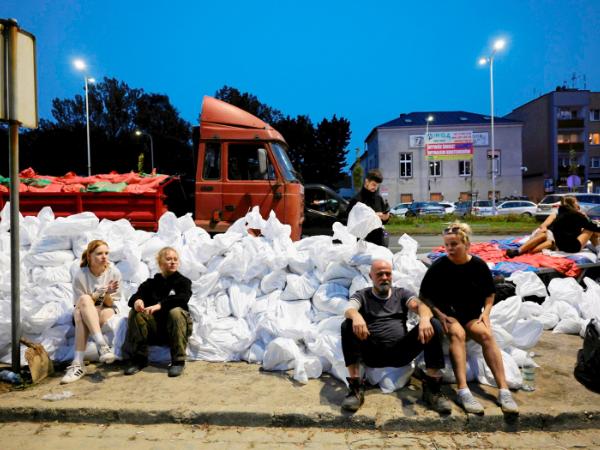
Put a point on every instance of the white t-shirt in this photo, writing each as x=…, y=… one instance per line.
x=85, y=282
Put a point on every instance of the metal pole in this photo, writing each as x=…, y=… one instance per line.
x=87, y=122
x=427, y=160
x=13, y=144
x=492, y=129
x=151, y=151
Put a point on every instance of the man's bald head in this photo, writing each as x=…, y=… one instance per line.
x=381, y=274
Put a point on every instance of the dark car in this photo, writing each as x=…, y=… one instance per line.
x=463, y=208
x=322, y=208
x=416, y=209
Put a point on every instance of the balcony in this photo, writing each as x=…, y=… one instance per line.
x=567, y=146
x=570, y=123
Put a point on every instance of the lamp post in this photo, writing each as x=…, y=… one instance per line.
x=143, y=133
x=498, y=45
x=428, y=119
x=80, y=65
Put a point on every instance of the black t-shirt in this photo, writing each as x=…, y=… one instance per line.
x=567, y=226
x=458, y=290
x=171, y=292
x=385, y=318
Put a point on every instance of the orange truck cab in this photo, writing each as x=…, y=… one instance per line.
x=242, y=163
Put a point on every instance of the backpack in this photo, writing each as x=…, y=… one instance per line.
x=587, y=369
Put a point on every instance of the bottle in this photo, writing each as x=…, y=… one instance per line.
x=10, y=377
x=528, y=372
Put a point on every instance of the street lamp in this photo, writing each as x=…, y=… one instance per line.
x=428, y=119
x=80, y=65
x=498, y=45
x=143, y=133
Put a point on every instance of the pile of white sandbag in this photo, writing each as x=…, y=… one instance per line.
x=264, y=299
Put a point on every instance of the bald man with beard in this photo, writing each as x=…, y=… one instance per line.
x=375, y=334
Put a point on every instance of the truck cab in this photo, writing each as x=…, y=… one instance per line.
x=242, y=163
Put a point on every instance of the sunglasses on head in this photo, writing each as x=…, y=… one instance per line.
x=451, y=230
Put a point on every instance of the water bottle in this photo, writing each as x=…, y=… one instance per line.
x=10, y=377
x=528, y=372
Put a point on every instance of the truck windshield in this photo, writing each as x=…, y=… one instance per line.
x=287, y=170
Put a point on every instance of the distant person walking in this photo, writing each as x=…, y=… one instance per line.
x=96, y=288
x=369, y=195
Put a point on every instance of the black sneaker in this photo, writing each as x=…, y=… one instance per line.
x=433, y=396
x=176, y=369
x=356, y=395
x=511, y=253
x=134, y=367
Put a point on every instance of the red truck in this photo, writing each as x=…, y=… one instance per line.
x=242, y=162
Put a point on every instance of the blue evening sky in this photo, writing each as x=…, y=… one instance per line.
x=366, y=61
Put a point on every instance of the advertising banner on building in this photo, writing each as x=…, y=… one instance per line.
x=449, y=145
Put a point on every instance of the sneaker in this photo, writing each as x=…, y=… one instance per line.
x=433, y=396
x=176, y=369
x=470, y=403
x=106, y=354
x=134, y=367
x=74, y=373
x=507, y=403
x=356, y=395
x=511, y=253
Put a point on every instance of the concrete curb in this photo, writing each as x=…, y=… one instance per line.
x=454, y=423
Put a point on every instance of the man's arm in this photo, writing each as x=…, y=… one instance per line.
x=359, y=326
x=425, y=314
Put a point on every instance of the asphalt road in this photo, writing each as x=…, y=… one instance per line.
x=428, y=242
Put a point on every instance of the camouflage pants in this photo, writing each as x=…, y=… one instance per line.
x=173, y=329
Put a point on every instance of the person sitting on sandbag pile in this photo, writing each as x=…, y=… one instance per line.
x=159, y=315
x=375, y=332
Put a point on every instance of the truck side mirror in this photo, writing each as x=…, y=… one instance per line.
x=262, y=162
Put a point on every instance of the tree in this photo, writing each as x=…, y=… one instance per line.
x=325, y=163
x=249, y=103
x=357, y=172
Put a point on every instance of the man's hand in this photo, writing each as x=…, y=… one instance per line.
x=152, y=309
x=359, y=327
x=484, y=318
x=138, y=305
x=425, y=330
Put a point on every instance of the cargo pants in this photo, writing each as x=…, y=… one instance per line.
x=172, y=328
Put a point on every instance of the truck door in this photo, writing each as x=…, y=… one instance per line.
x=247, y=185
x=208, y=195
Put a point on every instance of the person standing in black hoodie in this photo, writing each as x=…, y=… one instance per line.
x=159, y=315
x=369, y=195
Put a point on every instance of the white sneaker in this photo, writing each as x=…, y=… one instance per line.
x=74, y=373
x=470, y=403
x=507, y=403
x=106, y=354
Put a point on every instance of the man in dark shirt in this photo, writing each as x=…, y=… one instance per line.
x=375, y=332
x=369, y=195
x=159, y=315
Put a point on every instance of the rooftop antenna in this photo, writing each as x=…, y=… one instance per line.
x=584, y=82
x=573, y=80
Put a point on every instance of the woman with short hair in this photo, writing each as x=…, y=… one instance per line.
x=459, y=289
x=96, y=289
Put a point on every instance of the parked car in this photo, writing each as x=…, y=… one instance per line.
x=448, y=207
x=322, y=208
x=521, y=207
x=417, y=209
x=550, y=203
x=594, y=213
x=400, y=209
x=482, y=208
x=463, y=208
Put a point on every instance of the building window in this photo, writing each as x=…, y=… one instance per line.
x=435, y=168
x=496, y=164
x=595, y=162
x=405, y=165
x=595, y=115
x=568, y=138
x=563, y=161
x=594, y=138
x=464, y=168
x=567, y=114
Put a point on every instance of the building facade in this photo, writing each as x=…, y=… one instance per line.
x=397, y=149
x=561, y=142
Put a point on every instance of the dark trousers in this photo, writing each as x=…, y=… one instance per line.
x=396, y=354
x=173, y=329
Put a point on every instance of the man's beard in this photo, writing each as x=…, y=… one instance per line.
x=384, y=289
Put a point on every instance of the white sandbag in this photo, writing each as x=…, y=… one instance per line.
x=505, y=313
x=337, y=270
x=503, y=338
x=328, y=346
x=530, y=309
x=565, y=290
x=528, y=283
x=29, y=229
x=514, y=379
x=235, y=262
x=299, y=287
x=332, y=298
x=255, y=353
x=47, y=276
x=186, y=222
x=472, y=369
x=72, y=225
x=50, y=243
x=341, y=233
x=222, y=305
x=281, y=354
x=364, y=253
x=362, y=220
x=151, y=247
x=390, y=379
x=522, y=358
x=569, y=326
x=307, y=366
x=241, y=298
x=205, y=283
x=274, y=230
x=590, y=300
x=527, y=332
x=273, y=281
x=299, y=262
x=49, y=259
x=359, y=282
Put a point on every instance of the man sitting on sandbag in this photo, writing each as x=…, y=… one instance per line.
x=375, y=332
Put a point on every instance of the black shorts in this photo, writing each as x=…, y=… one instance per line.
x=568, y=244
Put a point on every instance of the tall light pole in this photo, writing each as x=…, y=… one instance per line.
x=498, y=45
x=80, y=65
x=428, y=119
x=144, y=133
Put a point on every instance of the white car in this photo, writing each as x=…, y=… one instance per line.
x=400, y=209
x=482, y=208
x=521, y=207
x=449, y=207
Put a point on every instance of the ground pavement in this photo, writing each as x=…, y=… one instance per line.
x=240, y=394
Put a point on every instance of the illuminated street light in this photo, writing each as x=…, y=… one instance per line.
x=498, y=45
x=81, y=65
x=143, y=133
x=428, y=119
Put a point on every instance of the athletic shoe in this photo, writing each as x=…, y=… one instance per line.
x=176, y=369
x=433, y=396
x=470, y=403
x=74, y=372
x=106, y=354
x=507, y=403
x=355, y=396
x=511, y=253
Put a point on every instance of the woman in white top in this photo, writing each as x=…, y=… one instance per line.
x=96, y=288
